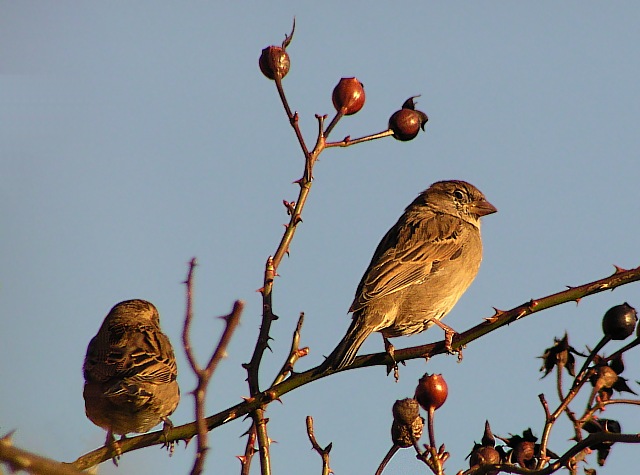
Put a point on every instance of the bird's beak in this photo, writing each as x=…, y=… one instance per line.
x=483, y=208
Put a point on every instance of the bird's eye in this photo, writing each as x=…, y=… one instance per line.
x=458, y=194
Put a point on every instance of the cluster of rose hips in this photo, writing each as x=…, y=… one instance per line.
x=348, y=96
x=431, y=393
x=406, y=429
x=618, y=323
x=521, y=449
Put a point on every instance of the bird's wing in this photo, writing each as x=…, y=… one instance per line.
x=408, y=253
x=138, y=354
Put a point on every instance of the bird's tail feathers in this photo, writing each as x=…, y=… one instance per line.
x=345, y=352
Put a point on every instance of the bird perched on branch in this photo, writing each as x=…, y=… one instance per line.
x=420, y=269
x=130, y=372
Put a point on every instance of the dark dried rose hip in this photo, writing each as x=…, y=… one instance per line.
x=485, y=455
x=619, y=322
x=274, y=61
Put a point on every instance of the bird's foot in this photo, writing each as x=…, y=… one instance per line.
x=166, y=429
x=448, y=340
x=114, y=445
x=449, y=333
x=390, y=349
x=448, y=344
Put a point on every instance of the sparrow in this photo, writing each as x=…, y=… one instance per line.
x=130, y=372
x=420, y=269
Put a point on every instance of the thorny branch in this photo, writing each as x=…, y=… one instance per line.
x=295, y=353
x=273, y=262
x=187, y=431
x=552, y=418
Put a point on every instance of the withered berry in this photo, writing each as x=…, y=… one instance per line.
x=406, y=410
x=485, y=452
x=524, y=449
x=484, y=455
x=407, y=423
x=594, y=426
x=619, y=322
x=348, y=96
x=405, y=435
x=274, y=61
x=432, y=391
x=560, y=355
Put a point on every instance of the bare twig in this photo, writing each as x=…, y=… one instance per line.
x=590, y=441
x=605, y=339
x=324, y=453
x=625, y=348
x=348, y=141
x=18, y=459
x=204, y=374
x=551, y=418
x=250, y=449
x=186, y=340
x=559, y=384
x=387, y=458
x=333, y=123
x=295, y=353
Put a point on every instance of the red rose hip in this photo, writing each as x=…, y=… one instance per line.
x=348, y=96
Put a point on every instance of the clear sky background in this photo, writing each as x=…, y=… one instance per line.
x=136, y=135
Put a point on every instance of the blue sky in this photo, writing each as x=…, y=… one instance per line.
x=135, y=136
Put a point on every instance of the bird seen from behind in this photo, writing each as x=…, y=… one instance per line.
x=130, y=372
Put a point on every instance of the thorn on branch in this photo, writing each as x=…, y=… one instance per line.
x=290, y=206
x=619, y=270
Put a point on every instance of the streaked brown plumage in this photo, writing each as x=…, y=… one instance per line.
x=130, y=372
x=420, y=269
